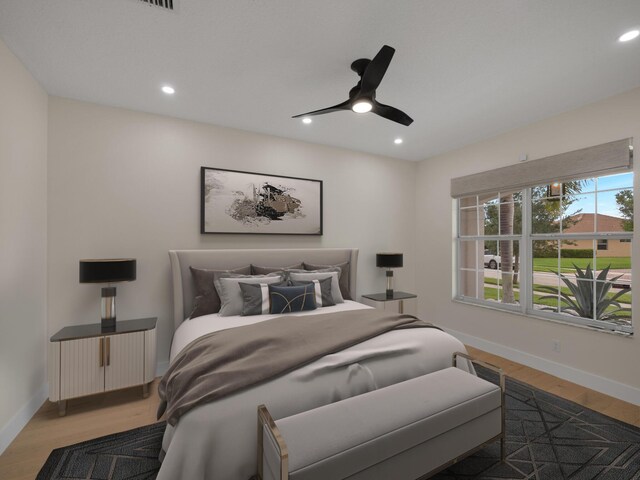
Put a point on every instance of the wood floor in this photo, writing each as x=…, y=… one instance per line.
x=99, y=415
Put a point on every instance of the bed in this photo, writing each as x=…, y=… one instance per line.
x=217, y=440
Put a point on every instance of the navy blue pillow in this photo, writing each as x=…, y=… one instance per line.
x=292, y=299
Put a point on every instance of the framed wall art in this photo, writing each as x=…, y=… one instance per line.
x=232, y=201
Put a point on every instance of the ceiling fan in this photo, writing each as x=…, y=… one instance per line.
x=362, y=97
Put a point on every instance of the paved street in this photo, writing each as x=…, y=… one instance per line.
x=544, y=278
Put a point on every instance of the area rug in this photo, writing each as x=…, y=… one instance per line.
x=121, y=456
x=548, y=438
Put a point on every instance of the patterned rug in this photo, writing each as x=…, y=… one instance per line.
x=548, y=438
x=121, y=456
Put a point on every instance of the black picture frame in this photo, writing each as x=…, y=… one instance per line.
x=239, y=202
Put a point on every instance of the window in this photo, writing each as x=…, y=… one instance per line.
x=559, y=250
x=489, y=247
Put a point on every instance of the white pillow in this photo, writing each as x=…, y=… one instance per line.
x=309, y=276
x=228, y=287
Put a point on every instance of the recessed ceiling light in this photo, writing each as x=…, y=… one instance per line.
x=397, y=141
x=362, y=106
x=630, y=35
x=306, y=120
x=168, y=89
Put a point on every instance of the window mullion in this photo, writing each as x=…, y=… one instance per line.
x=526, y=263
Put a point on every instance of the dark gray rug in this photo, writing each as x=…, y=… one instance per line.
x=548, y=438
x=121, y=456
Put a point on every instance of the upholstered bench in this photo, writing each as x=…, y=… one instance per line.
x=409, y=430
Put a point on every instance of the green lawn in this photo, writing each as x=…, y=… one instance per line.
x=626, y=298
x=566, y=264
x=491, y=293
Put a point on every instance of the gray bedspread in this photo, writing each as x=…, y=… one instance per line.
x=226, y=361
x=218, y=440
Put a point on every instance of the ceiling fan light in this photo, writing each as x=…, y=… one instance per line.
x=630, y=35
x=362, y=106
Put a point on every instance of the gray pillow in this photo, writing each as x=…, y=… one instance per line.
x=322, y=289
x=345, y=274
x=255, y=298
x=257, y=270
x=207, y=300
x=333, y=273
x=227, y=285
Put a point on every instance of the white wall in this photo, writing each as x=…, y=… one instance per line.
x=23, y=244
x=610, y=357
x=126, y=184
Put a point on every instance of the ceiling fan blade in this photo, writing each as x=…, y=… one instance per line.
x=336, y=108
x=376, y=69
x=391, y=113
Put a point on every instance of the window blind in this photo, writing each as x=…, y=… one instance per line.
x=583, y=163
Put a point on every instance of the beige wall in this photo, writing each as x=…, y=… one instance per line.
x=23, y=240
x=126, y=184
x=615, y=248
x=605, y=355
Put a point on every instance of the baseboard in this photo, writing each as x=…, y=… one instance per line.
x=595, y=382
x=22, y=417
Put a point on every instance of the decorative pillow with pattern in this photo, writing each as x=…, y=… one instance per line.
x=306, y=276
x=227, y=285
x=322, y=289
x=255, y=298
x=292, y=299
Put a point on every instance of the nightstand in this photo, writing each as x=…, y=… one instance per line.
x=84, y=359
x=401, y=302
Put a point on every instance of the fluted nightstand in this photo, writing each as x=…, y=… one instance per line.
x=85, y=359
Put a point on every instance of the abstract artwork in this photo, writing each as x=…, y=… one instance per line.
x=247, y=202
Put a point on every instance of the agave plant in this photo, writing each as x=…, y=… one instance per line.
x=582, y=299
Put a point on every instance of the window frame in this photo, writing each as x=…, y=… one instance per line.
x=525, y=271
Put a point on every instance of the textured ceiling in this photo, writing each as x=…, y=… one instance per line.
x=464, y=70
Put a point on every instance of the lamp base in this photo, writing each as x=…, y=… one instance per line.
x=108, y=309
x=389, y=291
x=108, y=325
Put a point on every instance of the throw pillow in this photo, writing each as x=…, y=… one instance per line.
x=255, y=298
x=322, y=289
x=258, y=270
x=292, y=299
x=228, y=287
x=206, y=299
x=334, y=274
x=345, y=274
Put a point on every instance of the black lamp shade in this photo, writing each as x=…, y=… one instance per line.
x=108, y=270
x=389, y=260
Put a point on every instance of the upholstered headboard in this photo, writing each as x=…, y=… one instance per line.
x=181, y=260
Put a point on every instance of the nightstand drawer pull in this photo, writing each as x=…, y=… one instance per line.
x=101, y=354
x=108, y=351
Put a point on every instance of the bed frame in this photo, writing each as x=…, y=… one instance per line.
x=181, y=260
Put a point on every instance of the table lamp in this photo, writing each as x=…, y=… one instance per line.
x=389, y=261
x=108, y=270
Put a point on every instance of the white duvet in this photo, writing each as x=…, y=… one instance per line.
x=217, y=441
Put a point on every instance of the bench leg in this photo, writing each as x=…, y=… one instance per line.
x=503, y=449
